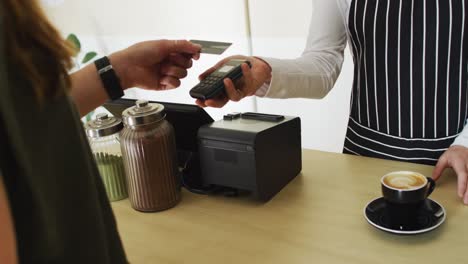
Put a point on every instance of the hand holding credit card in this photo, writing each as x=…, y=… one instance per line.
x=212, y=47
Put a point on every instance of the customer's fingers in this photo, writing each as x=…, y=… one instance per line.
x=459, y=167
x=465, y=181
x=174, y=71
x=184, y=46
x=169, y=82
x=442, y=163
x=181, y=60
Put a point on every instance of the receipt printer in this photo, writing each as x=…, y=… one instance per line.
x=259, y=153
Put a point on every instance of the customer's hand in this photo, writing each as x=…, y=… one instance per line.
x=455, y=157
x=253, y=78
x=157, y=65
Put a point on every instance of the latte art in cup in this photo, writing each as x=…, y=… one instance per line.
x=404, y=181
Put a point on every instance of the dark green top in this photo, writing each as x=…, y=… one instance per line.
x=60, y=209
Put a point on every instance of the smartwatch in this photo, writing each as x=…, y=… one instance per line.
x=109, y=78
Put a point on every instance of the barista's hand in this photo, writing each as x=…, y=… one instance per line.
x=455, y=157
x=253, y=78
x=157, y=65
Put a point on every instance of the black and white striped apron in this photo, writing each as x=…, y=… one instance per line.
x=409, y=97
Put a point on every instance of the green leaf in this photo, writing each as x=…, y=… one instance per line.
x=89, y=56
x=89, y=116
x=75, y=43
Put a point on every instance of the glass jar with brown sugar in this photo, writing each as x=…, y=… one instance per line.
x=150, y=159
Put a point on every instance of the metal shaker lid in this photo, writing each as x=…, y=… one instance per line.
x=143, y=113
x=103, y=125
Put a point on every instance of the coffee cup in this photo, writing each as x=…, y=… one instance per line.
x=405, y=193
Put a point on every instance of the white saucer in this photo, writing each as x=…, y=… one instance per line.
x=431, y=216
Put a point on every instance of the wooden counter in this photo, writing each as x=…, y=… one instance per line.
x=317, y=218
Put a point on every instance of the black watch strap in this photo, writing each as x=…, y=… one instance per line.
x=108, y=77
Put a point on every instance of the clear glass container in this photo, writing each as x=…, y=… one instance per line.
x=150, y=158
x=104, y=137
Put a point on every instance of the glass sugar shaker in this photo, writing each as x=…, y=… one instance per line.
x=104, y=137
x=150, y=158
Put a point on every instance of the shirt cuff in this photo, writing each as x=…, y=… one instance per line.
x=263, y=90
x=462, y=139
x=272, y=88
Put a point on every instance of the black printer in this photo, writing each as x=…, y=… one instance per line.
x=254, y=152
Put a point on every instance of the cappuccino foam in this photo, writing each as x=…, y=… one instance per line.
x=405, y=181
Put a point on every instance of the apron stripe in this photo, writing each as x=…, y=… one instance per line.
x=399, y=69
x=423, y=120
x=448, y=71
x=436, y=84
x=396, y=140
x=411, y=70
x=404, y=70
x=375, y=68
x=417, y=71
x=366, y=151
x=460, y=121
x=361, y=141
x=347, y=150
x=386, y=68
x=393, y=62
x=364, y=34
x=357, y=60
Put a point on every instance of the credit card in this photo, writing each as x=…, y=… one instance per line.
x=212, y=47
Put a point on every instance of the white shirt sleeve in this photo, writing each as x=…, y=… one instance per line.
x=314, y=73
x=462, y=139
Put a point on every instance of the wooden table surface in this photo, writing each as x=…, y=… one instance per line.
x=317, y=218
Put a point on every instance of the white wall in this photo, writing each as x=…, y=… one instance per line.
x=279, y=29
